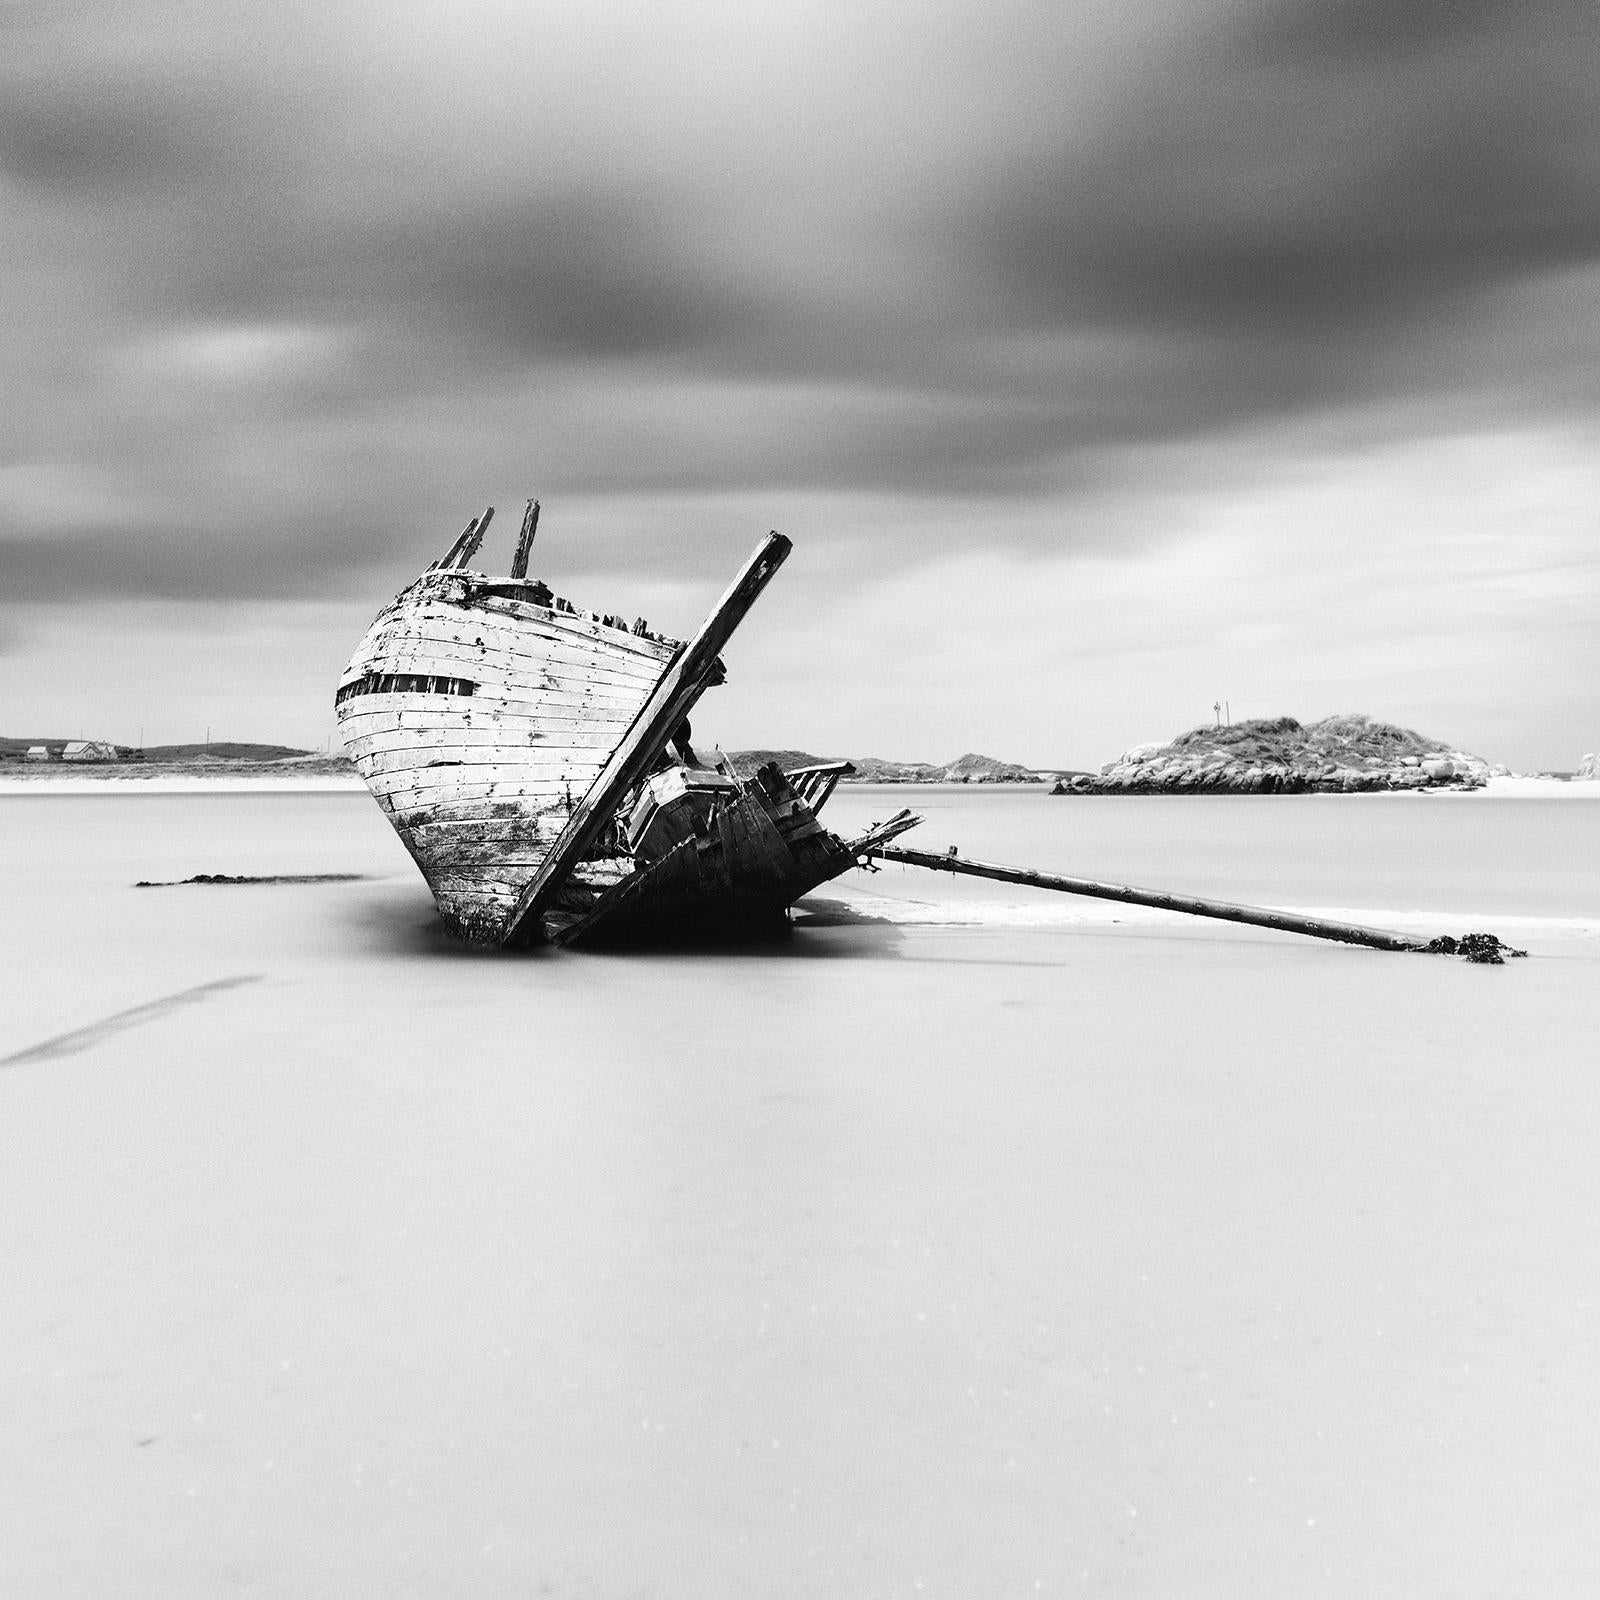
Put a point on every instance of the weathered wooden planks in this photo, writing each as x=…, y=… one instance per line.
x=406, y=796
x=480, y=786
x=567, y=740
x=455, y=628
x=510, y=812
x=512, y=720
x=498, y=619
x=542, y=700
x=473, y=658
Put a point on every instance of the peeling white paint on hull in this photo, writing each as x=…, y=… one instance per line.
x=505, y=711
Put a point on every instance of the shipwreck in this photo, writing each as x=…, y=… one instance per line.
x=536, y=759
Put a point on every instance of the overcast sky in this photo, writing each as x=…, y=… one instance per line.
x=1102, y=360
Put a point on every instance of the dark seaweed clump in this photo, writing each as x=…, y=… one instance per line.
x=1483, y=948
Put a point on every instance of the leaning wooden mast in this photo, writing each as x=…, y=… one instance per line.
x=675, y=694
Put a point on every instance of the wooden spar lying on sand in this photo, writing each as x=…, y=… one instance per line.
x=1475, y=946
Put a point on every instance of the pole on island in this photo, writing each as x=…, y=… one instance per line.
x=1257, y=916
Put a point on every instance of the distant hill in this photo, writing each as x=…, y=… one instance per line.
x=872, y=769
x=222, y=751
x=215, y=751
x=970, y=768
x=746, y=761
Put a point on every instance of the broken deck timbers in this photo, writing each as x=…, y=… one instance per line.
x=1481, y=947
x=669, y=704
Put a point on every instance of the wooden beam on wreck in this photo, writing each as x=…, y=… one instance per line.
x=448, y=558
x=1257, y=916
x=530, y=526
x=466, y=546
x=670, y=702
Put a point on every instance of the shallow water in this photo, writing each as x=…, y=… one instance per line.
x=1107, y=1253
x=1452, y=853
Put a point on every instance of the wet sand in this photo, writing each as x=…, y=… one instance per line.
x=954, y=1247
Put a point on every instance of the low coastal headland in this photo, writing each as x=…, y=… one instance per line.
x=969, y=768
x=1339, y=755
x=63, y=758
x=1278, y=755
x=56, y=759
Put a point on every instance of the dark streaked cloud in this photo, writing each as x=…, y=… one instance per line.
x=1322, y=165
x=574, y=274
x=1369, y=31
x=299, y=280
x=133, y=561
x=104, y=138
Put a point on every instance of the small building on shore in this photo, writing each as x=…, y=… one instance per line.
x=37, y=752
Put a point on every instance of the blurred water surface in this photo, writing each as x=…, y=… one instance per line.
x=1454, y=853
x=1463, y=854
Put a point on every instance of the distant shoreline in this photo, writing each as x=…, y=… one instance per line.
x=158, y=782
x=270, y=778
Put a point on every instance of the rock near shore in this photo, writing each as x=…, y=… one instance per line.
x=1339, y=755
x=1589, y=767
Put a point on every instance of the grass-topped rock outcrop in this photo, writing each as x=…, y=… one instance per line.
x=1277, y=755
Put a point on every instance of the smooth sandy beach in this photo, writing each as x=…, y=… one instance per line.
x=960, y=1246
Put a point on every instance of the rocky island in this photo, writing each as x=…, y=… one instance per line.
x=1338, y=755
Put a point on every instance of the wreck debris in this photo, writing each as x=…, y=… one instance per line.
x=815, y=783
x=876, y=837
x=1484, y=949
x=465, y=547
x=468, y=546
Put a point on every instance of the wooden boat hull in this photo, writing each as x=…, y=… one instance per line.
x=480, y=784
